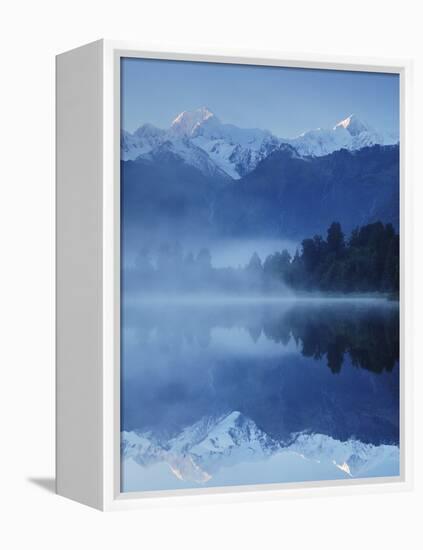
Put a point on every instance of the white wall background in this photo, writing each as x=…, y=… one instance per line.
x=31, y=33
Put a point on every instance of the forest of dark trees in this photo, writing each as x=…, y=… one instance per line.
x=365, y=261
x=368, y=261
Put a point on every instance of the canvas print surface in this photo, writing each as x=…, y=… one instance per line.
x=259, y=275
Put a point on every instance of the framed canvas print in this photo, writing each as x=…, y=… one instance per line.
x=231, y=282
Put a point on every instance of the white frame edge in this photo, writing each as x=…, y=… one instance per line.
x=109, y=461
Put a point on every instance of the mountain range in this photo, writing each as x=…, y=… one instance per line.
x=202, y=140
x=201, y=450
x=210, y=180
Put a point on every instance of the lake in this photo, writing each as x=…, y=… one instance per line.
x=224, y=392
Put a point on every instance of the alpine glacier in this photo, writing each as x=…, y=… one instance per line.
x=200, y=139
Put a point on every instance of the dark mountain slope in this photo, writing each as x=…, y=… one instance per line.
x=167, y=196
x=291, y=196
x=285, y=196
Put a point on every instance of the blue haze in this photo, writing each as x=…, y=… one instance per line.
x=288, y=366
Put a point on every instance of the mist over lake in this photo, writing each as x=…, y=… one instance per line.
x=238, y=252
x=224, y=252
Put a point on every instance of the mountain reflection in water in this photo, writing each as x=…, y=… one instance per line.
x=213, y=390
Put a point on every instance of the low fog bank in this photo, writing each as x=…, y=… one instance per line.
x=172, y=269
x=366, y=263
x=234, y=253
x=238, y=252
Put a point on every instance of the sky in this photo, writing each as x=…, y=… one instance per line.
x=286, y=101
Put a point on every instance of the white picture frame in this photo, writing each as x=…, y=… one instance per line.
x=88, y=277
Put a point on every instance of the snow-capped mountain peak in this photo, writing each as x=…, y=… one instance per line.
x=351, y=133
x=197, y=134
x=353, y=125
x=186, y=123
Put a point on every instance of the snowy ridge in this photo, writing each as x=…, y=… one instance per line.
x=230, y=150
x=188, y=122
x=185, y=150
x=352, y=456
x=212, y=444
x=198, y=451
x=235, y=151
x=350, y=133
x=141, y=142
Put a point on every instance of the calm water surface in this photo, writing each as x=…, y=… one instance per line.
x=217, y=393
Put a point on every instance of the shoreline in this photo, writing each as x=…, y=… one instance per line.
x=201, y=299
